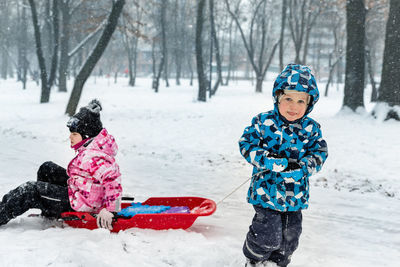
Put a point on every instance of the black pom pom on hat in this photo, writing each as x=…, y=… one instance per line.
x=87, y=121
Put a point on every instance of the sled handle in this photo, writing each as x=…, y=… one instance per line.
x=207, y=207
x=131, y=199
x=73, y=216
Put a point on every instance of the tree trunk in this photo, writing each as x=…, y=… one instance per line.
x=164, y=28
x=129, y=51
x=130, y=45
x=259, y=82
x=130, y=72
x=217, y=53
x=45, y=94
x=331, y=70
x=389, y=91
x=166, y=69
x=4, y=37
x=19, y=42
x=132, y=80
x=47, y=36
x=116, y=76
x=355, y=55
x=283, y=23
x=4, y=62
x=56, y=35
x=330, y=75
x=64, y=46
x=189, y=59
x=374, y=93
x=390, y=87
x=156, y=79
x=310, y=24
x=178, y=46
x=154, y=64
x=23, y=48
x=24, y=51
x=202, y=95
x=230, y=57
x=94, y=56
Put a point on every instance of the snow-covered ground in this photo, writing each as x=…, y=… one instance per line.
x=172, y=145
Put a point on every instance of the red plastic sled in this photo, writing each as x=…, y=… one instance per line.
x=160, y=221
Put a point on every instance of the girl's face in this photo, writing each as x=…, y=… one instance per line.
x=75, y=138
x=293, y=105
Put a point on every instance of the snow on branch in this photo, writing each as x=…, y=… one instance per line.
x=87, y=39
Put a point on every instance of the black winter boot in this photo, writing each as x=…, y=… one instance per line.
x=4, y=216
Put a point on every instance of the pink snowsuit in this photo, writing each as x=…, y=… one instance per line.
x=95, y=180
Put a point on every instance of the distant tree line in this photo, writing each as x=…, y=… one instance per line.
x=53, y=41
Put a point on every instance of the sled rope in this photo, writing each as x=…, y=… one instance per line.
x=237, y=188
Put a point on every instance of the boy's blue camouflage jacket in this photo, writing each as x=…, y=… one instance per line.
x=299, y=141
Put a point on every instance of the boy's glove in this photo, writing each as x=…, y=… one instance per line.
x=104, y=219
x=292, y=166
x=275, y=164
x=293, y=170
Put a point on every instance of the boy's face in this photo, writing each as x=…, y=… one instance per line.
x=293, y=105
x=75, y=138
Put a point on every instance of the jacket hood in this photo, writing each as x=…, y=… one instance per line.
x=298, y=78
x=103, y=142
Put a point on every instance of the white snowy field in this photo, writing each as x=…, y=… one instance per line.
x=172, y=145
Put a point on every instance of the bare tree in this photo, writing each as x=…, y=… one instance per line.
x=334, y=25
x=216, y=48
x=202, y=95
x=4, y=37
x=232, y=47
x=131, y=32
x=157, y=73
x=355, y=55
x=56, y=35
x=179, y=34
x=94, y=56
x=64, y=45
x=164, y=49
x=188, y=39
x=47, y=34
x=181, y=41
x=165, y=42
x=371, y=73
x=374, y=39
x=283, y=25
x=47, y=81
x=22, y=45
x=302, y=18
x=260, y=62
x=45, y=94
x=389, y=93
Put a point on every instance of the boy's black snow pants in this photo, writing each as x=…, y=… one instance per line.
x=273, y=236
x=49, y=194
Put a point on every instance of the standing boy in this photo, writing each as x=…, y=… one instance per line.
x=285, y=147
